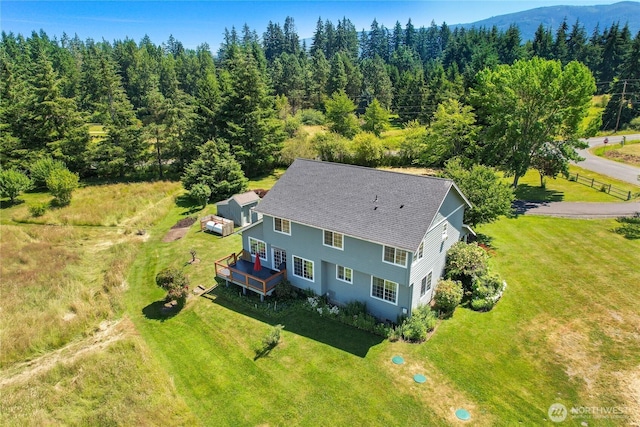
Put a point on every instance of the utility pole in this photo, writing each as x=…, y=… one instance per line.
x=624, y=90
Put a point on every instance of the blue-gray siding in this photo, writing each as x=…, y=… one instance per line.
x=435, y=248
x=240, y=215
x=365, y=259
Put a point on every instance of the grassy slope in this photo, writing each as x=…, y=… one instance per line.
x=60, y=283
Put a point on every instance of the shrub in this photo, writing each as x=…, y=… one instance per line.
x=368, y=150
x=38, y=209
x=394, y=334
x=200, y=193
x=42, y=168
x=482, y=304
x=448, y=295
x=421, y=322
x=486, y=291
x=273, y=336
x=354, y=308
x=630, y=226
x=61, y=183
x=464, y=262
x=291, y=126
x=285, y=291
x=13, y=183
x=311, y=117
x=175, y=283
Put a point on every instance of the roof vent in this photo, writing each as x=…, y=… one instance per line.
x=401, y=206
x=375, y=207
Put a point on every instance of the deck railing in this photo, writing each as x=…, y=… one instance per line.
x=225, y=268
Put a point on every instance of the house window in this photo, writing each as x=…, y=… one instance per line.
x=385, y=290
x=444, y=231
x=395, y=256
x=419, y=253
x=344, y=273
x=258, y=247
x=333, y=239
x=426, y=284
x=303, y=268
x=282, y=225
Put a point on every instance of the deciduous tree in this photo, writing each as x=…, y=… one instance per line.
x=529, y=105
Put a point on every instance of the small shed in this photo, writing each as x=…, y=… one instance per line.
x=216, y=224
x=239, y=208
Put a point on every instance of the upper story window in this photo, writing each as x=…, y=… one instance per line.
x=258, y=247
x=282, y=225
x=419, y=253
x=395, y=256
x=444, y=231
x=335, y=240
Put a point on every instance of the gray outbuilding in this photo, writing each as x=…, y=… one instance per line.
x=239, y=208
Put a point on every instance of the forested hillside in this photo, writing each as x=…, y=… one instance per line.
x=127, y=108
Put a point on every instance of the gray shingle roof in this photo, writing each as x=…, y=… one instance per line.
x=390, y=208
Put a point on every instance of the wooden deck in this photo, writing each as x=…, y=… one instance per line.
x=235, y=268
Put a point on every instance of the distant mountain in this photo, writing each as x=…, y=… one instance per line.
x=552, y=16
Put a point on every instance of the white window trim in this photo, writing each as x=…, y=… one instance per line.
x=281, y=220
x=381, y=299
x=265, y=247
x=419, y=254
x=395, y=256
x=293, y=269
x=429, y=284
x=345, y=269
x=331, y=246
x=273, y=257
x=445, y=226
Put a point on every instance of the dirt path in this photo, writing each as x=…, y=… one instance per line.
x=108, y=333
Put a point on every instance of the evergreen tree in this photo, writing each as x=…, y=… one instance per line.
x=543, y=43
x=377, y=83
x=624, y=104
x=216, y=168
x=247, y=117
x=320, y=70
x=560, y=49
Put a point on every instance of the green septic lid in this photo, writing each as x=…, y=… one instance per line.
x=463, y=414
x=419, y=378
x=398, y=360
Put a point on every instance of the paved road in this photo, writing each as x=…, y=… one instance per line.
x=607, y=167
x=577, y=209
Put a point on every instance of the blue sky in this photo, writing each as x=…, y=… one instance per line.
x=195, y=22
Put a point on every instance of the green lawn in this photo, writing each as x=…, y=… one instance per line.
x=563, y=332
x=561, y=189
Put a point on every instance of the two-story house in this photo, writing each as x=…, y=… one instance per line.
x=353, y=233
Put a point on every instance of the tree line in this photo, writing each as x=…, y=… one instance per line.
x=156, y=109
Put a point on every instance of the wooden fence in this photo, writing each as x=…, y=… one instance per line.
x=604, y=187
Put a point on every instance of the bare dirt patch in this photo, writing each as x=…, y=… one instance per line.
x=107, y=333
x=179, y=230
x=630, y=159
